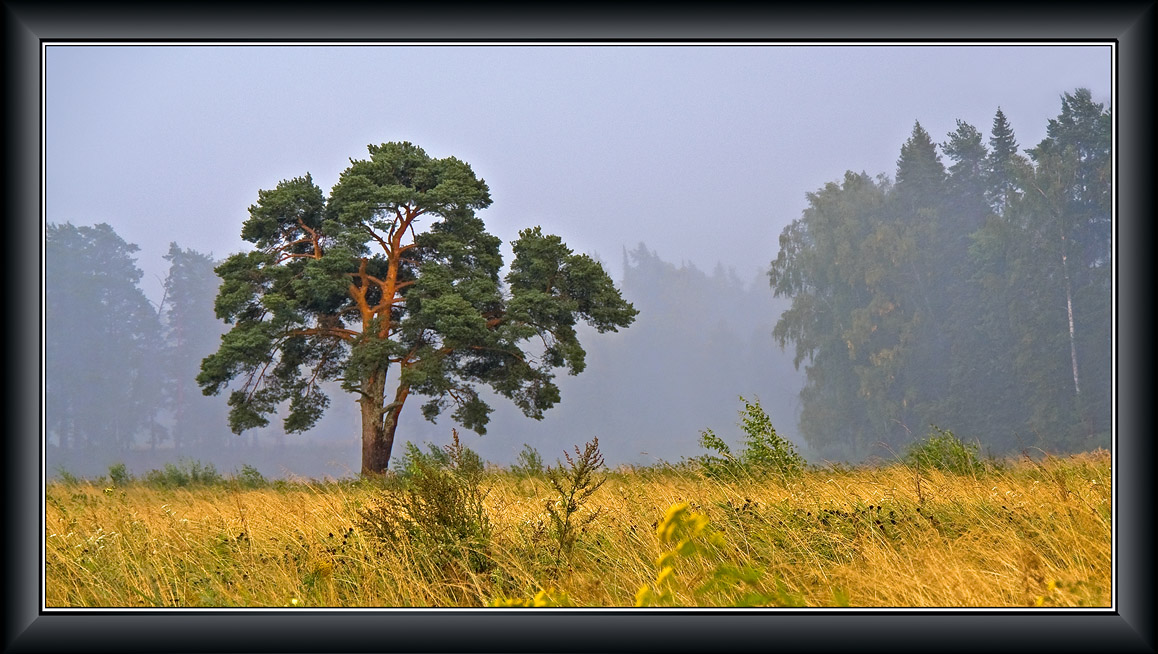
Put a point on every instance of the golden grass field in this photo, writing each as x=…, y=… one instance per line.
x=1028, y=533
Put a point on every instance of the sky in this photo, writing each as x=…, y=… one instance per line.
x=703, y=152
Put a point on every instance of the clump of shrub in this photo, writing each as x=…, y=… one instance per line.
x=119, y=475
x=529, y=463
x=765, y=452
x=413, y=460
x=439, y=507
x=574, y=484
x=250, y=477
x=184, y=473
x=941, y=450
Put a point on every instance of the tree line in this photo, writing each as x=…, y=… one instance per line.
x=120, y=370
x=972, y=293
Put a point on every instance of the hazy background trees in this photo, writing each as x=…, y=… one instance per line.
x=119, y=370
x=191, y=331
x=971, y=290
x=975, y=297
x=700, y=341
x=102, y=342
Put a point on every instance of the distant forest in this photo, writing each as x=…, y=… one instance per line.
x=972, y=293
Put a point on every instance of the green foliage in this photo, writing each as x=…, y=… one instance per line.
x=439, y=509
x=184, y=474
x=119, y=474
x=574, y=485
x=765, y=452
x=529, y=463
x=249, y=477
x=941, y=450
x=413, y=460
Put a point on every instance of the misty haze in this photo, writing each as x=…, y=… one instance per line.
x=867, y=271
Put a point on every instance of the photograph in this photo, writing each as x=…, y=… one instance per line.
x=545, y=342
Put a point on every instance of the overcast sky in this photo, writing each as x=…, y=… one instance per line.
x=703, y=152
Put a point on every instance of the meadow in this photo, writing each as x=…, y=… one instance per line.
x=446, y=530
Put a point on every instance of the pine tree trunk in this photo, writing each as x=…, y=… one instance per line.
x=375, y=446
x=379, y=424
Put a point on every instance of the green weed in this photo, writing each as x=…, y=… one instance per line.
x=765, y=452
x=574, y=485
x=529, y=463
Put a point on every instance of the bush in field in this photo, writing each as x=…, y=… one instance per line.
x=119, y=474
x=413, y=459
x=765, y=452
x=529, y=463
x=184, y=473
x=250, y=477
x=941, y=450
x=439, y=506
x=686, y=534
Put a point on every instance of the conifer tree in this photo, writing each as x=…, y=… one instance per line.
x=191, y=333
x=393, y=278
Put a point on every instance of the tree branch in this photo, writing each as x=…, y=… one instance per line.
x=376, y=237
x=336, y=332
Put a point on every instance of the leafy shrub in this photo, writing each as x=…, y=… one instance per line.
x=185, y=473
x=413, y=460
x=439, y=507
x=119, y=474
x=765, y=452
x=574, y=485
x=941, y=450
x=249, y=477
x=529, y=463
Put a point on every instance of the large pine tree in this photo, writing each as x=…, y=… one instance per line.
x=391, y=285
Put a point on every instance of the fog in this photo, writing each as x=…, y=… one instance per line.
x=677, y=167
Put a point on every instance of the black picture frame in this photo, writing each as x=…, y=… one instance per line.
x=1130, y=628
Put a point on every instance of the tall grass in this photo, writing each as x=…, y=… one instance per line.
x=1025, y=533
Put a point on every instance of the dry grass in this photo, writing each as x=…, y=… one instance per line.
x=1031, y=534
